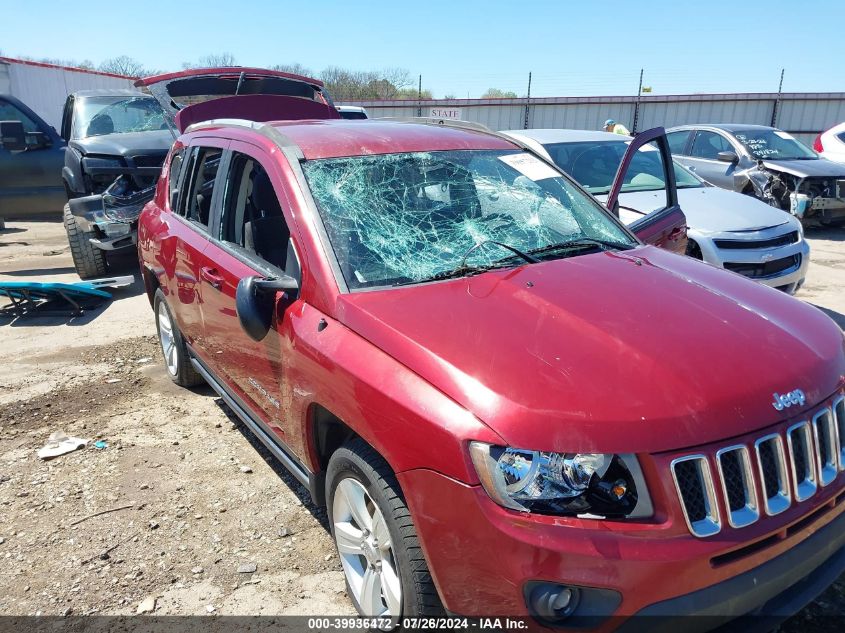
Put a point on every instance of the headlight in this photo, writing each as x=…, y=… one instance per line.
x=557, y=483
x=92, y=164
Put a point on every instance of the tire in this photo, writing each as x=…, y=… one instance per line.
x=357, y=472
x=88, y=260
x=177, y=363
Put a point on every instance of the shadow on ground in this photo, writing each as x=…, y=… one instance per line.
x=838, y=317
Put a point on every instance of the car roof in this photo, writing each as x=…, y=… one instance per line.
x=727, y=127
x=334, y=138
x=544, y=136
x=111, y=92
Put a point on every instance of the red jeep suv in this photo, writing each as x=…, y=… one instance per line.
x=508, y=403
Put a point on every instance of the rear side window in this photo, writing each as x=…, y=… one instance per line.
x=196, y=200
x=709, y=144
x=678, y=141
x=173, y=176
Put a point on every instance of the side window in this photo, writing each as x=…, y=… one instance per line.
x=252, y=213
x=678, y=141
x=35, y=137
x=708, y=145
x=195, y=202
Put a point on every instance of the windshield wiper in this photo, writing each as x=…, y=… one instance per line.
x=462, y=270
x=581, y=242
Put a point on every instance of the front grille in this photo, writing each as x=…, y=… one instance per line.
x=695, y=487
x=767, y=269
x=781, y=240
x=784, y=467
x=149, y=160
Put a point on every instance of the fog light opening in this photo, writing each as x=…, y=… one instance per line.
x=553, y=602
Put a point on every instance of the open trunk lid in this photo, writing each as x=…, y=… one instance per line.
x=256, y=94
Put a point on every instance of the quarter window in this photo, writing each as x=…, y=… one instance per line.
x=709, y=144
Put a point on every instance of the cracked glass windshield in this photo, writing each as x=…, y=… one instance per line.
x=405, y=218
x=98, y=116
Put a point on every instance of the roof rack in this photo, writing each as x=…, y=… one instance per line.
x=465, y=125
x=264, y=129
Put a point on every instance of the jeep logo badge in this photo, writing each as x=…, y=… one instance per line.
x=786, y=400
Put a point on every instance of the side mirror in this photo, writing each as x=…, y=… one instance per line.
x=255, y=299
x=12, y=136
x=728, y=157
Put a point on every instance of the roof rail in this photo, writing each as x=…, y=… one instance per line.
x=264, y=129
x=465, y=125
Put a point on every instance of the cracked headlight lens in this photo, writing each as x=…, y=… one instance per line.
x=556, y=483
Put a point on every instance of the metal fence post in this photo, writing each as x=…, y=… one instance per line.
x=637, y=104
x=527, y=102
x=776, y=106
x=419, y=98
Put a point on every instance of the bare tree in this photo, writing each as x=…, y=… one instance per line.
x=213, y=60
x=295, y=68
x=495, y=93
x=124, y=65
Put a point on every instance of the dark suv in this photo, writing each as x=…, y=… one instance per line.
x=506, y=401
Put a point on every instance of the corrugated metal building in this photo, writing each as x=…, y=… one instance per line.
x=44, y=87
x=803, y=114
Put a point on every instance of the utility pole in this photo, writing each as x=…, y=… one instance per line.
x=637, y=105
x=777, y=101
x=527, y=101
x=419, y=97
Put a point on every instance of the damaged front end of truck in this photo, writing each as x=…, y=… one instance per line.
x=811, y=198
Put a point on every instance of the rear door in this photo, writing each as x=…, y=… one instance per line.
x=703, y=158
x=31, y=179
x=187, y=235
x=665, y=226
x=252, y=236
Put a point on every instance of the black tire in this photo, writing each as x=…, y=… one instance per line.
x=358, y=460
x=181, y=371
x=89, y=261
x=694, y=250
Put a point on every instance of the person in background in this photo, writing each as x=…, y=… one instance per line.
x=617, y=128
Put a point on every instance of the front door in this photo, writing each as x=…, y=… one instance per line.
x=251, y=237
x=703, y=159
x=665, y=226
x=31, y=180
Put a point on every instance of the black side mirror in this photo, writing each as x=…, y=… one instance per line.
x=728, y=157
x=255, y=299
x=12, y=136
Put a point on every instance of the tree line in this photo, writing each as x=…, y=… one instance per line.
x=342, y=83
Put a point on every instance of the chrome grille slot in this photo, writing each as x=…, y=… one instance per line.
x=698, y=497
x=839, y=415
x=824, y=435
x=771, y=461
x=738, y=485
x=799, y=440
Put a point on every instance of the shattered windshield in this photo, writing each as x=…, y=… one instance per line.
x=98, y=116
x=774, y=145
x=403, y=218
x=593, y=164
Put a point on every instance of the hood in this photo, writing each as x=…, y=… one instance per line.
x=711, y=209
x=819, y=167
x=195, y=86
x=129, y=144
x=601, y=354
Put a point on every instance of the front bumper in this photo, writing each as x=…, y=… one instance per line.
x=789, y=279
x=115, y=227
x=481, y=556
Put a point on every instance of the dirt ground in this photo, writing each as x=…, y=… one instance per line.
x=201, y=522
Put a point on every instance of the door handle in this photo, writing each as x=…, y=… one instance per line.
x=677, y=233
x=212, y=277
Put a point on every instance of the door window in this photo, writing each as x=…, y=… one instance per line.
x=678, y=141
x=709, y=144
x=252, y=215
x=196, y=204
x=35, y=137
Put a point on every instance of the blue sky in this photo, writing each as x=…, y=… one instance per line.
x=463, y=47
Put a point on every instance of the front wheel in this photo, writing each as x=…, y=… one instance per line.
x=88, y=260
x=386, y=572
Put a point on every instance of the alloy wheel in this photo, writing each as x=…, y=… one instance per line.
x=167, y=340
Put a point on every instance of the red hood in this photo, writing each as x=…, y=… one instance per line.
x=598, y=353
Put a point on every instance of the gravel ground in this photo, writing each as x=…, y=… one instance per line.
x=194, y=518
